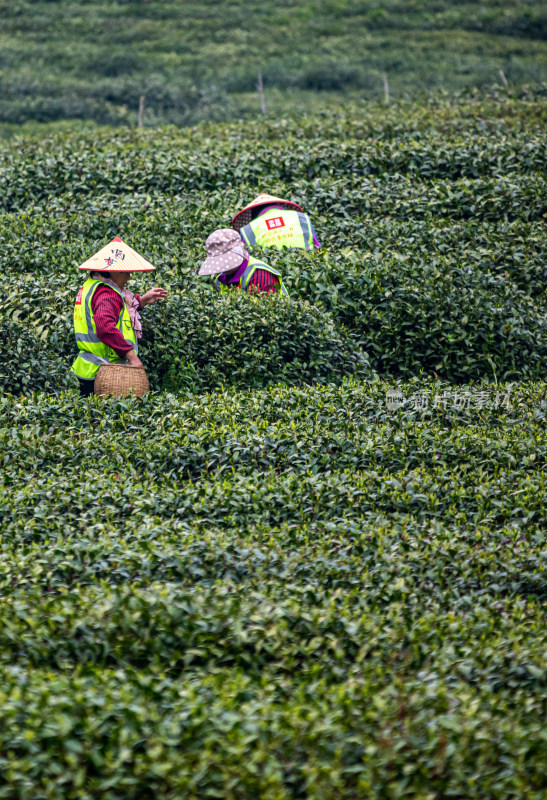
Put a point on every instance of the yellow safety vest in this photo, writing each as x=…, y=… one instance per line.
x=93, y=352
x=278, y=228
x=243, y=282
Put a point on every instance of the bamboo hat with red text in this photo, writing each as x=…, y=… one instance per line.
x=246, y=214
x=117, y=257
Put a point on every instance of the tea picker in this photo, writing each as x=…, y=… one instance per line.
x=107, y=323
x=270, y=221
x=235, y=268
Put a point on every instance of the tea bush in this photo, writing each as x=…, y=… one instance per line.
x=198, y=342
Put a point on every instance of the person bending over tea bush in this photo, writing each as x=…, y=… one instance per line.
x=269, y=221
x=235, y=268
x=107, y=323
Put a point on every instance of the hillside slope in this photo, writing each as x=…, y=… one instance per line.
x=193, y=61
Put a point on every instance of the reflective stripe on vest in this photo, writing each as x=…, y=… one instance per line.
x=93, y=352
x=279, y=229
x=92, y=358
x=243, y=282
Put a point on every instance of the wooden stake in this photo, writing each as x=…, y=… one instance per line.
x=140, y=120
x=260, y=90
x=503, y=78
x=386, y=87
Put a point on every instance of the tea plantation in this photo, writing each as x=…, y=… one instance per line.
x=312, y=562
x=92, y=60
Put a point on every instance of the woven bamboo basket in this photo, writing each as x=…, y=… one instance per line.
x=121, y=380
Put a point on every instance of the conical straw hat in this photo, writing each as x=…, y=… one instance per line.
x=244, y=216
x=117, y=257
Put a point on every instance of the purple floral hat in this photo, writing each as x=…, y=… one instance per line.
x=225, y=251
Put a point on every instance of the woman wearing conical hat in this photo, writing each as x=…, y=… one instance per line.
x=270, y=221
x=235, y=268
x=106, y=315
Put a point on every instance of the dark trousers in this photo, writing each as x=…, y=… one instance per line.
x=86, y=387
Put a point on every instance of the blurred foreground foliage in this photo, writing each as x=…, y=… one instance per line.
x=268, y=593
